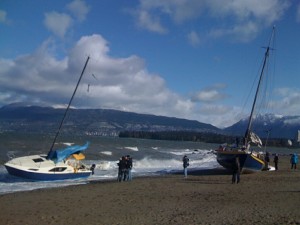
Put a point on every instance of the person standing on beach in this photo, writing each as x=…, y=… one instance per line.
x=294, y=161
x=267, y=160
x=129, y=167
x=122, y=169
x=276, y=161
x=236, y=170
x=185, y=161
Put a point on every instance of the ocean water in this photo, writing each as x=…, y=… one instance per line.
x=150, y=158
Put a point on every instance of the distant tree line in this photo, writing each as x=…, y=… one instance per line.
x=178, y=136
x=195, y=137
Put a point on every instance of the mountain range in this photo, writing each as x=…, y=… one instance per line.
x=107, y=122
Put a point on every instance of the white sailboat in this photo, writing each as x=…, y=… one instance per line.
x=57, y=164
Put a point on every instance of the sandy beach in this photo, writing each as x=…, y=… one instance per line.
x=204, y=198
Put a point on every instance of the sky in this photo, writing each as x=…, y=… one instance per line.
x=192, y=59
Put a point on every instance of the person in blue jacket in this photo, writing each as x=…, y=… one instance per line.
x=294, y=161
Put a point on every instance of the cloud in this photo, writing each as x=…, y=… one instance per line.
x=193, y=38
x=298, y=14
x=288, y=103
x=79, y=9
x=241, y=32
x=58, y=23
x=148, y=14
x=150, y=22
x=246, y=18
x=3, y=18
x=292, y=121
x=179, y=11
x=109, y=82
x=116, y=83
x=210, y=94
x=219, y=115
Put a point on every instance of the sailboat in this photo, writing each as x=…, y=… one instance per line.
x=58, y=164
x=250, y=160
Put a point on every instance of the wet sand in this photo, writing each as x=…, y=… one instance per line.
x=203, y=198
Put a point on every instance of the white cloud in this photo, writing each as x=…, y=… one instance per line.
x=292, y=121
x=111, y=82
x=150, y=22
x=117, y=83
x=58, y=23
x=298, y=14
x=246, y=18
x=193, y=38
x=210, y=94
x=79, y=9
x=241, y=32
x=3, y=15
x=266, y=11
x=108, y=82
x=288, y=103
x=219, y=115
x=179, y=11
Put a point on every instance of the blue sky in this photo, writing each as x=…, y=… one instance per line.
x=193, y=59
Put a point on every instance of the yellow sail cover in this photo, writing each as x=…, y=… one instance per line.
x=79, y=156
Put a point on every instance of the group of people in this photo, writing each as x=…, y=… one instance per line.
x=267, y=161
x=235, y=174
x=125, y=167
x=293, y=161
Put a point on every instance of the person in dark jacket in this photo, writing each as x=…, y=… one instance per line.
x=122, y=169
x=267, y=160
x=236, y=170
x=129, y=167
x=276, y=159
x=185, y=161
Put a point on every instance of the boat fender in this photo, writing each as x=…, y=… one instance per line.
x=75, y=170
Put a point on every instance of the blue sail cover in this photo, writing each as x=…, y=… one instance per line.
x=61, y=154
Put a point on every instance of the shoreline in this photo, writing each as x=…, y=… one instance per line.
x=208, y=198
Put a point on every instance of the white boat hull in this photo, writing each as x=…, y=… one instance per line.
x=37, y=167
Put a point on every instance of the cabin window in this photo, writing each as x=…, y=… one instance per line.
x=58, y=169
x=33, y=169
x=38, y=160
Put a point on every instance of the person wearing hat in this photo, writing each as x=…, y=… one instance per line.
x=185, y=161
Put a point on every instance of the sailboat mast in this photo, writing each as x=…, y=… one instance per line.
x=62, y=121
x=258, y=88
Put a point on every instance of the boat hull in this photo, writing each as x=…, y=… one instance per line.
x=249, y=162
x=45, y=176
x=38, y=167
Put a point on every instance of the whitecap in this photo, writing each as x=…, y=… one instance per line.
x=132, y=148
x=68, y=143
x=106, y=153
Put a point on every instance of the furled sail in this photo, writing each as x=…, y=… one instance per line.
x=255, y=139
x=60, y=155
